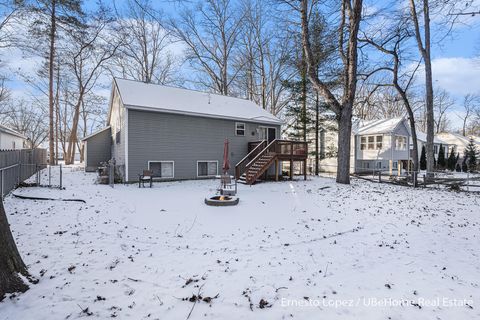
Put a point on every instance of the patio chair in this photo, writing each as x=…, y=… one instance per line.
x=228, y=186
x=147, y=176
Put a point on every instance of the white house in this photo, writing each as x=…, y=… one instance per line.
x=459, y=141
x=381, y=145
x=11, y=139
x=437, y=142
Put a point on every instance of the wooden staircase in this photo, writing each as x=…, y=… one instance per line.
x=263, y=155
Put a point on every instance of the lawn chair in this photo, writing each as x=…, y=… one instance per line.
x=147, y=176
x=227, y=186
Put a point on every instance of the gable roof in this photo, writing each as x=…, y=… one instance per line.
x=153, y=97
x=11, y=132
x=379, y=126
x=93, y=134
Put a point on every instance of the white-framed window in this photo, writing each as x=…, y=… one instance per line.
x=379, y=164
x=162, y=169
x=371, y=142
x=435, y=149
x=400, y=143
x=239, y=128
x=395, y=165
x=207, y=168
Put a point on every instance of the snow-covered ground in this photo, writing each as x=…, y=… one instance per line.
x=303, y=250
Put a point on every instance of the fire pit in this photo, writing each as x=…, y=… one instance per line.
x=221, y=201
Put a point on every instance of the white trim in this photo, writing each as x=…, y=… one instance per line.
x=406, y=142
x=207, y=168
x=206, y=115
x=269, y=127
x=126, y=142
x=94, y=133
x=85, y=153
x=161, y=161
x=244, y=129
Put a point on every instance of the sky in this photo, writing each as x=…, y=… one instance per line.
x=456, y=58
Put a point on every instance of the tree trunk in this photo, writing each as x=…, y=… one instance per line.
x=53, y=27
x=317, y=127
x=344, y=145
x=11, y=264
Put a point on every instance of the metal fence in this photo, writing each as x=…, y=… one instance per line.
x=17, y=166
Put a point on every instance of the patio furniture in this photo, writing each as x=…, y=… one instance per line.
x=147, y=176
x=228, y=186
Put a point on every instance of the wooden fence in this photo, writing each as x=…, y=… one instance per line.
x=17, y=166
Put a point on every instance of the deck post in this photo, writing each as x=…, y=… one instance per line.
x=305, y=169
x=276, y=169
x=291, y=169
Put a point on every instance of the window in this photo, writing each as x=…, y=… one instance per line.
x=239, y=128
x=371, y=143
x=401, y=143
x=117, y=137
x=379, y=164
x=13, y=145
x=435, y=149
x=395, y=165
x=379, y=142
x=161, y=169
x=207, y=168
x=363, y=143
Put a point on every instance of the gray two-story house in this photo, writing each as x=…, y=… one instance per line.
x=176, y=133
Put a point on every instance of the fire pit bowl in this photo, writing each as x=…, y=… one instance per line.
x=222, y=201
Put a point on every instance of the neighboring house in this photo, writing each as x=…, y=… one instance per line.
x=437, y=143
x=12, y=140
x=381, y=145
x=176, y=133
x=459, y=141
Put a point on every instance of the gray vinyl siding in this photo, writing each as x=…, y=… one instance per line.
x=117, y=124
x=98, y=150
x=154, y=136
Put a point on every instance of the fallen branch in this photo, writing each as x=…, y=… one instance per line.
x=50, y=199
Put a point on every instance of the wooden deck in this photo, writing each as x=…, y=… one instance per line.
x=262, y=155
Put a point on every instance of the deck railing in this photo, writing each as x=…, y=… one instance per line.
x=282, y=149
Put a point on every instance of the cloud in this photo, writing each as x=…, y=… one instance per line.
x=459, y=76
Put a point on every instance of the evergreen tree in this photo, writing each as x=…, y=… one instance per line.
x=441, y=163
x=452, y=160
x=458, y=167
x=423, y=159
x=471, y=155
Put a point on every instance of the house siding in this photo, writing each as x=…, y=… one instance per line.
x=7, y=140
x=98, y=149
x=184, y=139
x=117, y=124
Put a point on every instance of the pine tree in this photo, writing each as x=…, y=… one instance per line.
x=471, y=155
x=441, y=163
x=452, y=160
x=423, y=159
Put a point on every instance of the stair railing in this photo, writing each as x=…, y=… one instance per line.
x=240, y=166
x=271, y=147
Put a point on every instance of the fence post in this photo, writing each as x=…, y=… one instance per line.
x=49, y=175
x=61, y=176
x=1, y=187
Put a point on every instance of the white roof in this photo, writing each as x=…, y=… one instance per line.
x=422, y=136
x=12, y=132
x=379, y=126
x=153, y=97
x=458, y=139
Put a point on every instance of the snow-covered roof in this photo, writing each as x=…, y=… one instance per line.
x=422, y=136
x=457, y=139
x=378, y=126
x=95, y=133
x=12, y=132
x=153, y=97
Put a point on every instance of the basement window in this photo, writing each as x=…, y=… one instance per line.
x=207, y=168
x=162, y=169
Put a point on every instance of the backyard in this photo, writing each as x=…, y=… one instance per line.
x=299, y=249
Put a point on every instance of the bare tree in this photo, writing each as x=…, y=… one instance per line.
x=471, y=103
x=350, y=18
x=144, y=54
x=390, y=43
x=210, y=32
x=28, y=119
x=90, y=50
x=442, y=102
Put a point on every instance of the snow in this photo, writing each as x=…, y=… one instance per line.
x=141, y=95
x=309, y=249
x=379, y=126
